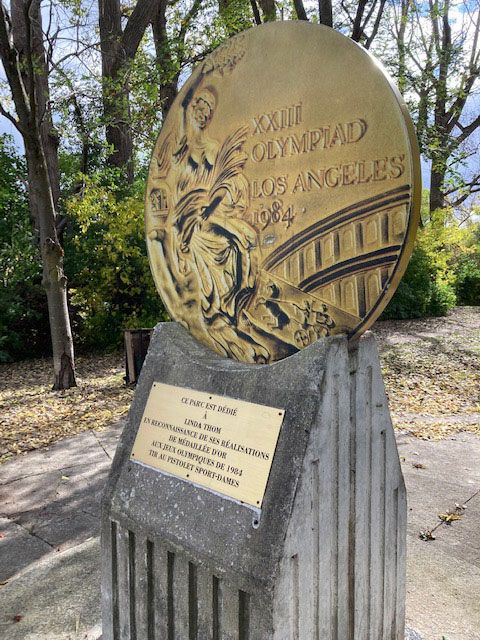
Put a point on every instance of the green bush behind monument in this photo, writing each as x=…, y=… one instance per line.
x=111, y=287
x=444, y=269
x=24, y=326
x=106, y=263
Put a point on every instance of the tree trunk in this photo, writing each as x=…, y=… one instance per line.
x=268, y=9
x=402, y=53
x=325, y=14
x=437, y=198
x=443, y=38
x=300, y=10
x=116, y=104
x=169, y=81
x=170, y=49
x=28, y=35
x=448, y=72
x=118, y=48
x=117, y=131
x=25, y=65
x=53, y=280
x=256, y=13
x=357, y=28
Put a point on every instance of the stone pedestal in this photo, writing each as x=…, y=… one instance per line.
x=325, y=557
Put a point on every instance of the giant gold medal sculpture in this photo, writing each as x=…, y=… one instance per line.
x=283, y=194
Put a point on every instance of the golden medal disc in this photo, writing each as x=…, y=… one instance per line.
x=283, y=194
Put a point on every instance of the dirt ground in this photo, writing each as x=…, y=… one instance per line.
x=431, y=371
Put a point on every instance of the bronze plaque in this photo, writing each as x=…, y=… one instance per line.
x=284, y=193
x=223, y=444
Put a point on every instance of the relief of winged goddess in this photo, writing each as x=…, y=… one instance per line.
x=208, y=244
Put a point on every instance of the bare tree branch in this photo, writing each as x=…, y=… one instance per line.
x=472, y=189
x=467, y=130
x=6, y=114
x=474, y=182
x=189, y=17
x=357, y=23
x=55, y=66
x=10, y=63
x=376, y=25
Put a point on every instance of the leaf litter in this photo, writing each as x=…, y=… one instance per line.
x=34, y=416
x=430, y=367
x=431, y=371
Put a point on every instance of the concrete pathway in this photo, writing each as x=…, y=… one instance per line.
x=443, y=575
x=49, y=549
x=49, y=546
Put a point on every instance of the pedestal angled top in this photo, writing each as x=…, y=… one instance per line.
x=283, y=194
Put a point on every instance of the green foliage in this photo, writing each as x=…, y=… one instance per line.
x=23, y=313
x=443, y=299
x=111, y=286
x=444, y=270
x=234, y=16
x=467, y=284
x=414, y=293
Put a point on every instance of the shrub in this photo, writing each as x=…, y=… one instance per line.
x=106, y=261
x=419, y=293
x=444, y=270
x=468, y=279
x=24, y=329
x=442, y=299
x=412, y=297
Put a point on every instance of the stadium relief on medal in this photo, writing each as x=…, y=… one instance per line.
x=271, y=228
x=196, y=436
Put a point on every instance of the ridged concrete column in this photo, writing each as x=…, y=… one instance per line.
x=343, y=570
x=323, y=560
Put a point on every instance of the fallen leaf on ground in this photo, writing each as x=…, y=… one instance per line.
x=448, y=518
x=426, y=535
x=430, y=369
x=431, y=372
x=33, y=416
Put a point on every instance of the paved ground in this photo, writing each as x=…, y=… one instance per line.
x=443, y=575
x=49, y=524
x=49, y=550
